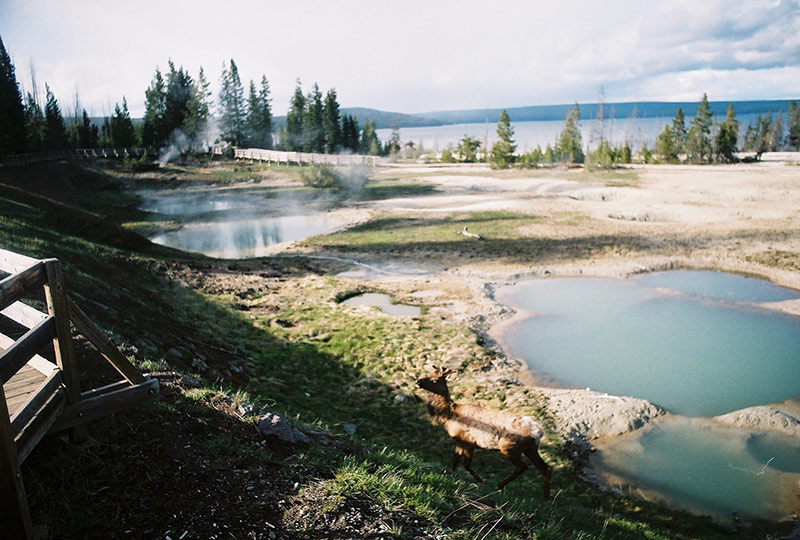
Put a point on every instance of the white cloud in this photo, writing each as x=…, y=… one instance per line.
x=416, y=55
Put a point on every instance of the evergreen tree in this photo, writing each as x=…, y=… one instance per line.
x=393, y=144
x=259, y=116
x=350, y=133
x=12, y=111
x=569, y=147
x=55, y=132
x=123, y=134
x=105, y=133
x=665, y=146
x=154, y=126
x=197, y=111
x=369, y=143
x=468, y=146
x=177, y=98
x=699, y=137
x=502, y=155
x=232, y=121
x=679, y=134
x=34, y=125
x=776, y=138
x=293, y=138
x=313, y=133
x=331, y=123
x=88, y=136
x=727, y=137
x=793, y=126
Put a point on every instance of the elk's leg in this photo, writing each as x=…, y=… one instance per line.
x=468, y=450
x=515, y=456
x=457, y=457
x=544, y=468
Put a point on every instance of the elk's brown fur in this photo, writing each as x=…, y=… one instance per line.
x=471, y=426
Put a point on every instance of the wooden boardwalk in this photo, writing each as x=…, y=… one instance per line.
x=38, y=396
x=21, y=387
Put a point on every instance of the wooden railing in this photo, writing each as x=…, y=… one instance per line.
x=21, y=160
x=276, y=156
x=48, y=395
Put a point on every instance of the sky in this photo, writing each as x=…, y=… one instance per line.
x=414, y=55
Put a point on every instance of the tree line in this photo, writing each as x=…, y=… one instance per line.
x=704, y=141
x=180, y=111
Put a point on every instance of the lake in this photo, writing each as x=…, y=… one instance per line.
x=695, y=343
x=529, y=134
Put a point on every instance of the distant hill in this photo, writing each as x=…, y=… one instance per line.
x=383, y=119
x=643, y=109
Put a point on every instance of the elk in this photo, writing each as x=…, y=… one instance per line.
x=471, y=426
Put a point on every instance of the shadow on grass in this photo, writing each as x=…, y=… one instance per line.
x=179, y=450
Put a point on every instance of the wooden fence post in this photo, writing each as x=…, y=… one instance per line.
x=15, y=518
x=65, y=351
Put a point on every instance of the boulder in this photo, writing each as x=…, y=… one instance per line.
x=272, y=425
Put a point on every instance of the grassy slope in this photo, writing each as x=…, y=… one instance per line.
x=277, y=338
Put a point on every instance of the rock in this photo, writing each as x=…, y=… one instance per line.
x=246, y=409
x=349, y=429
x=400, y=398
x=199, y=364
x=272, y=425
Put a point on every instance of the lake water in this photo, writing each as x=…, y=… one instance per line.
x=530, y=134
x=384, y=303
x=695, y=343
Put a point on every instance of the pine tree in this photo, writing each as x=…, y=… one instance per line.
x=699, y=137
x=12, y=111
x=177, y=98
x=197, y=111
x=369, y=143
x=232, y=106
x=123, y=134
x=665, y=146
x=259, y=116
x=55, y=133
x=331, y=123
x=313, y=133
x=777, y=139
x=293, y=138
x=727, y=137
x=34, y=124
x=393, y=144
x=502, y=155
x=350, y=133
x=569, y=146
x=793, y=126
x=87, y=132
x=154, y=128
x=679, y=134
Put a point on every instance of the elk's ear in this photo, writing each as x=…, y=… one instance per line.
x=449, y=374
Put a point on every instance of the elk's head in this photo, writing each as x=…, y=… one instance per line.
x=436, y=382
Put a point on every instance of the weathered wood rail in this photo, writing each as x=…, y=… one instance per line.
x=38, y=396
x=300, y=158
x=21, y=160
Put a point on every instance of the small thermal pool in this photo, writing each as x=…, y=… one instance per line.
x=384, y=303
x=697, y=343
x=245, y=238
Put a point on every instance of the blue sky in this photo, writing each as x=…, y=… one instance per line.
x=414, y=56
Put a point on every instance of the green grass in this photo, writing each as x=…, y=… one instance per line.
x=324, y=366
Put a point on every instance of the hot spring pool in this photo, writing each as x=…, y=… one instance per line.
x=696, y=343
